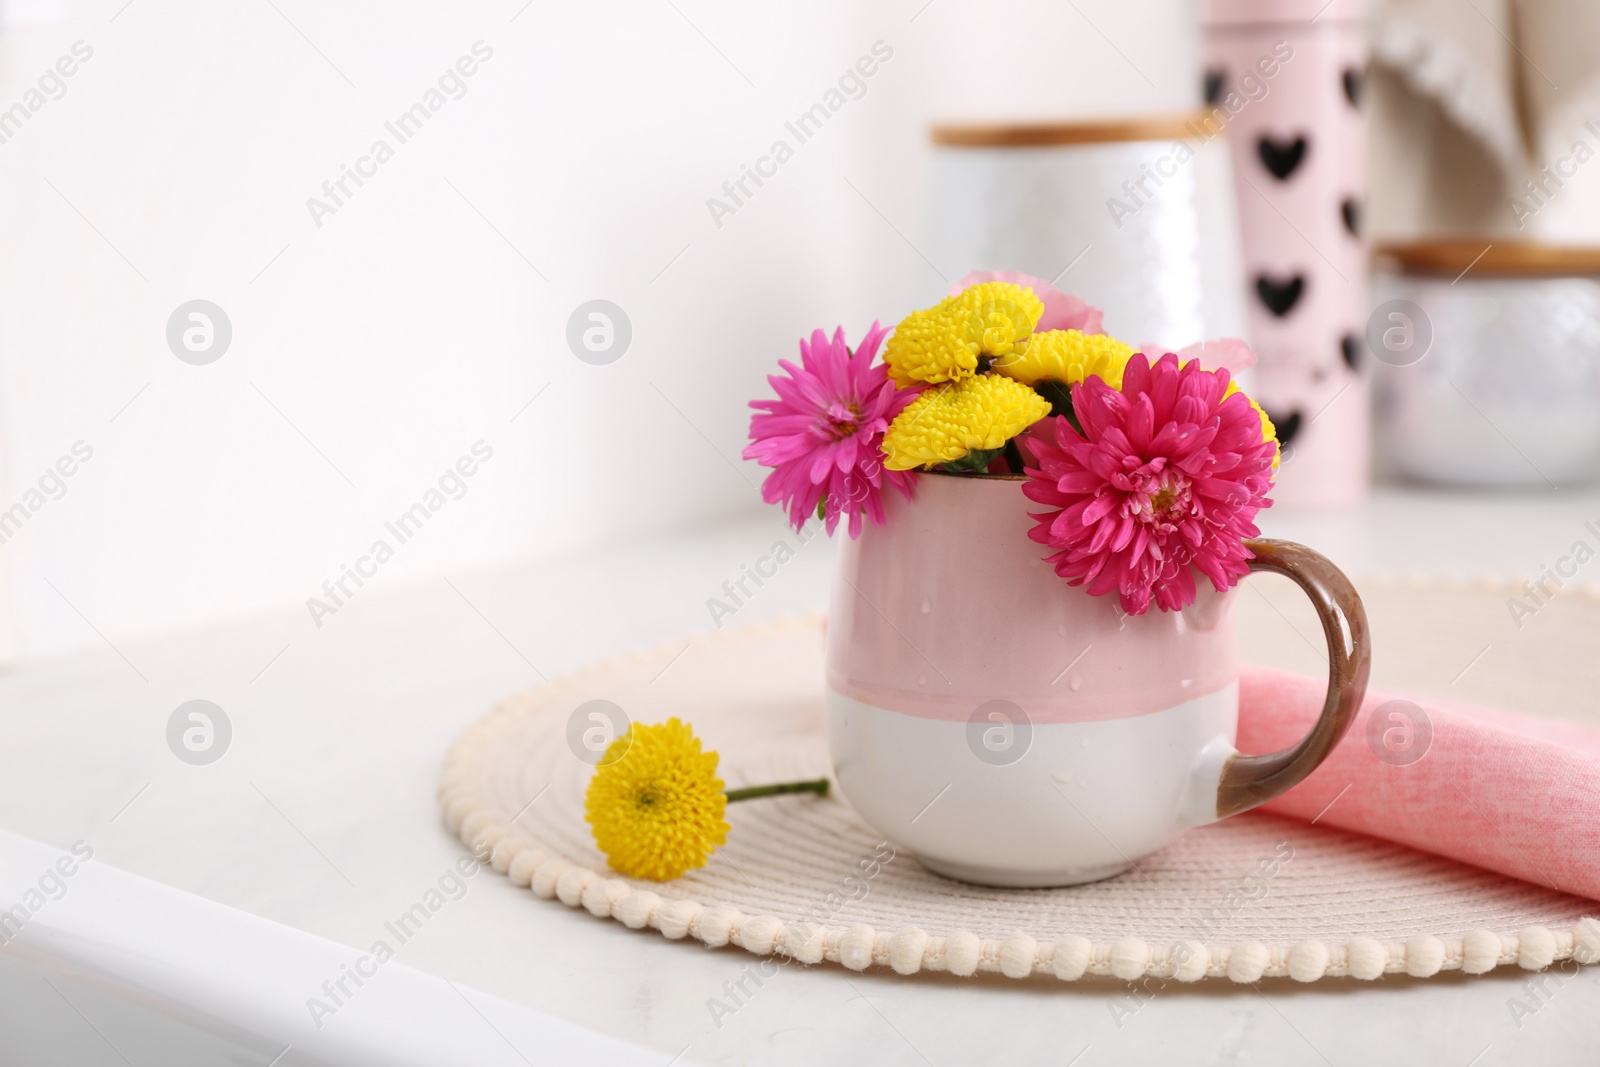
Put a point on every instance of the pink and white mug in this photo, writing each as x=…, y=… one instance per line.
x=1009, y=729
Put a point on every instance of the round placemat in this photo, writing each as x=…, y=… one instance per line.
x=1253, y=896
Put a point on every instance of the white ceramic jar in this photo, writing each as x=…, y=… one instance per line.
x=1487, y=363
x=1136, y=216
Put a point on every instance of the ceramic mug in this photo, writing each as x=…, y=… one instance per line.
x=1011, y=730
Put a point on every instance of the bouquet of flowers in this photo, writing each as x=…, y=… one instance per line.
x=1151, y=465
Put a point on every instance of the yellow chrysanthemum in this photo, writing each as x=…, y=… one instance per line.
x=945, y=342
x=948, y=421
x=655, y=803
x=1067, y=356
x=1269, y=432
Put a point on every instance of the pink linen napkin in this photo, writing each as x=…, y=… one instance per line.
x=1513, y=793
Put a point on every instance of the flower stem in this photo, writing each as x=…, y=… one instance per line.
x=818, y=786
x=1013, y=456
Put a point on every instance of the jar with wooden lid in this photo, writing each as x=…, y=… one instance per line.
x=1487, y=362
x=1135, y=215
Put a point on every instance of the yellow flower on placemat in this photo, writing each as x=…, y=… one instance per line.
x=1067, y=356
x=655, y=803
x=944, y=343
x=948, y=421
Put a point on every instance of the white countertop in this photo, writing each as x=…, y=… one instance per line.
x=321, y=817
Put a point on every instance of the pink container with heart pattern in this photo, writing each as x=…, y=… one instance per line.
x=1287, y=75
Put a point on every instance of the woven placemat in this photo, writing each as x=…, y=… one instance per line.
x=1253, y=896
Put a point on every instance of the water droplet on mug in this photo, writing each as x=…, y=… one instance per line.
x=1064, y=776
x=1083, y=740
x=1074, y=683
x=927, y=607
x=922, y=679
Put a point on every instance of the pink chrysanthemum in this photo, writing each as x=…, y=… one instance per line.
x=822, y=435
x=1167, y=474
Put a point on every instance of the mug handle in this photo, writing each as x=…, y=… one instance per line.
x=1249, y=781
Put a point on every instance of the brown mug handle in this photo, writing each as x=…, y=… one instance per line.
x=1248, y=781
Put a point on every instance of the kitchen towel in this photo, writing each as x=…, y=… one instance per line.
x=1510, y=792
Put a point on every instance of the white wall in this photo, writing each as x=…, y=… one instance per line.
x=178, y=164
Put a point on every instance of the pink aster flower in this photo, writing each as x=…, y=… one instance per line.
x=1168, y=474
x=1062, y=311
x=822, y=436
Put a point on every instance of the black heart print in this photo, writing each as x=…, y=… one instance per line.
x=1350, y=208
x=1353, y=77
x=1213, y=85
x=1280, y=297
x=1287, y=426
x=1281, y=159
x=1350, y=345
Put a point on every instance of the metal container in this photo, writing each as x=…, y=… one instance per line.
x=1487, y=368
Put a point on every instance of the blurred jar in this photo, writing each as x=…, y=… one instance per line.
x=1487, y=368
x=1134, y=215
